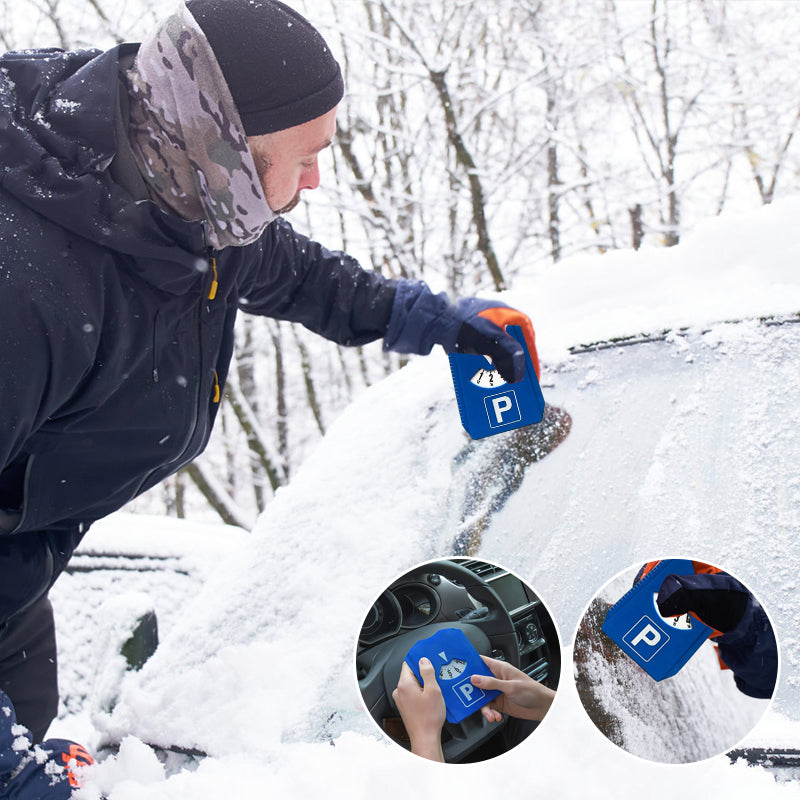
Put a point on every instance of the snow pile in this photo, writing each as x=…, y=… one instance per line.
x=198, y=546
x=686, y=443
x=730, y=267
x=568, y=759
x=98, y=602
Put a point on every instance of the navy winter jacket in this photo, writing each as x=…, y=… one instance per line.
x=751, y=652
x=114, y=346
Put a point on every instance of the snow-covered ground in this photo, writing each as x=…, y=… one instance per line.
x=682, y=446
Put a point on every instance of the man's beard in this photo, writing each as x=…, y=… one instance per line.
x=289, y=206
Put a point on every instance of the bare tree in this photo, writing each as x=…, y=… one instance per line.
x=763, y=123
x=660, y=103
x=475, y=139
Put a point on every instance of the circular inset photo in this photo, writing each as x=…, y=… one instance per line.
x=458, y=660
x=675, y=661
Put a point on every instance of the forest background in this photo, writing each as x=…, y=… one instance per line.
x=479, y=141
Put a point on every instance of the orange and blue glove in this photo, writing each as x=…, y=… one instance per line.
x=717, y=599
x=35, y=772
x=742, y=634
x=483, y=332
x=421, y=319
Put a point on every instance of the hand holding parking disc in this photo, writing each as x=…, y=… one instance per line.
x=484, y=331
x=658, y=643
x=719, y=600
x=487, y=402
x=455, y=661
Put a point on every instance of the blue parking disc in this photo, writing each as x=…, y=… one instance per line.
x=455, y=661
x=660, y=646
x=486, y=403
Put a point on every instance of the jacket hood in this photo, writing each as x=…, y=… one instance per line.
x=187, y=137
x=57, y=140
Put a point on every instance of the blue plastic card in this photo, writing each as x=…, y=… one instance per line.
x=486, y=403
x=659, y=645
x=455, y=660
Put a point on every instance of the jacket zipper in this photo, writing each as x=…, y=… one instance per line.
x=212, y=293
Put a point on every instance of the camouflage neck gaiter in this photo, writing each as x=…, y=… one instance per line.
x=187, y=138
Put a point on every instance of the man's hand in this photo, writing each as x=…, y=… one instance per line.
x=522, y=697
x=718, y=600
x=421, y=319
x=422, y=709
x=483, y=331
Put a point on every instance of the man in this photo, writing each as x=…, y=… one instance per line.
x=140, y=196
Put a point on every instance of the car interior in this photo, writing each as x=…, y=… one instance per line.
x=500, y=615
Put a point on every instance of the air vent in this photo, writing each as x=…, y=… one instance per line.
x=482, y=569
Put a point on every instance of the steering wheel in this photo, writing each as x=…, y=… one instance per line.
x=379, y=666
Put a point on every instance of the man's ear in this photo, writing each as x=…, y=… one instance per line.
x=259, y=149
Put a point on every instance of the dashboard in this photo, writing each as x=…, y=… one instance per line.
x=424, y=597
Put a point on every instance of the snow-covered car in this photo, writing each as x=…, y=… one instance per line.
x=125, y=587
x=683, y=442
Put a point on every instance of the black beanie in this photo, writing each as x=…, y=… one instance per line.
x=278, y=68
